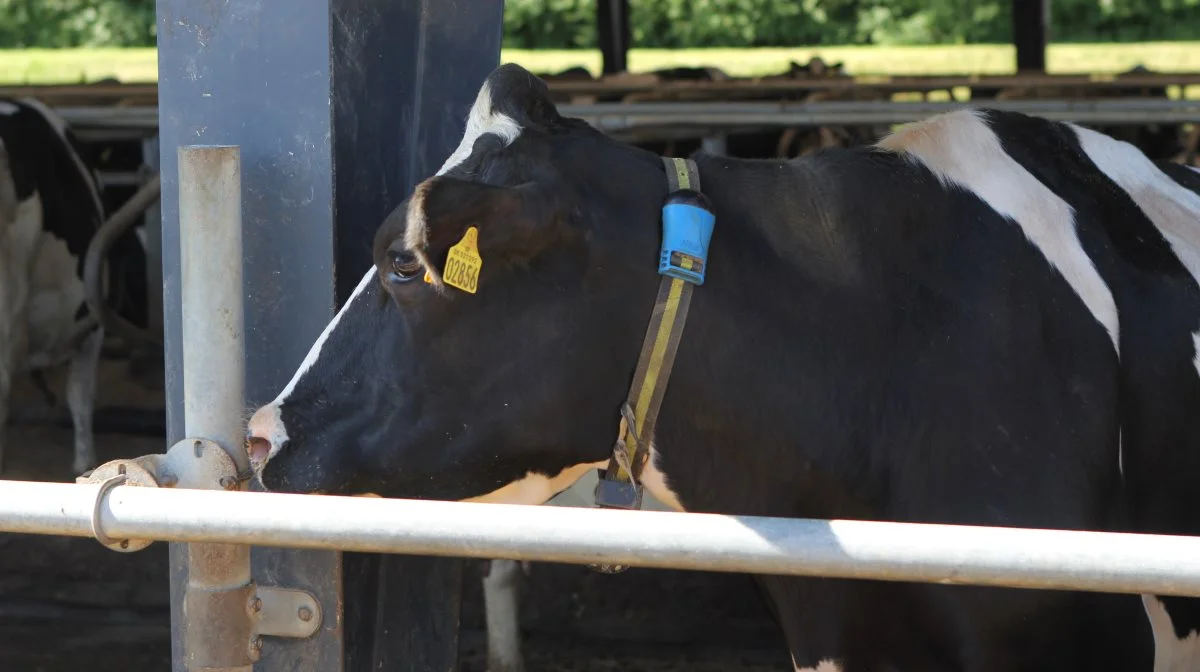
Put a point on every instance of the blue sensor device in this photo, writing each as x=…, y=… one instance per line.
x=687, y=221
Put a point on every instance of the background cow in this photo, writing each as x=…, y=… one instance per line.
x=50, y=207
x=985, y=318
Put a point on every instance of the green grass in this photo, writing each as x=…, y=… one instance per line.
x=56, y=66
x=967, y=59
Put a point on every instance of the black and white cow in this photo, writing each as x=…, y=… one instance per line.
x=985, y=318
x=50, y=208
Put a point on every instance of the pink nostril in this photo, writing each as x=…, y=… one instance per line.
x=258, y=449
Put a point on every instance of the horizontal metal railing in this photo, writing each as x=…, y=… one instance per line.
x=631, y=116
x=948, y=554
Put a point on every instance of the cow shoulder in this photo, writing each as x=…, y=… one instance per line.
x=962, y=149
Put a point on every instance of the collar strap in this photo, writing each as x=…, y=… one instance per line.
x=687, y=221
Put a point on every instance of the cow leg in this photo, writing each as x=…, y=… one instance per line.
x=814, y=637
x=81, y=398
x=501, y=584
x=1173, y=651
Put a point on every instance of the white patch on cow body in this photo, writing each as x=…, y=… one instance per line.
x=482, y=119
x=825, y=665
x=8, y=109
x=1172, y=208
x=535, y=488
x=655, y=482
x=20, y=226
x=961, y=149
x=1171, y=654
x=55, y=293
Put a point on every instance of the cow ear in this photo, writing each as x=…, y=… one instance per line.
x=522, y=96
x=512, y=224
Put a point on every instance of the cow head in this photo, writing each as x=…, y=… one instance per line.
x=420, y=389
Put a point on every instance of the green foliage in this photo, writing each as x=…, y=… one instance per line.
x=570, y=24
x=554, y=24
x=76, y=23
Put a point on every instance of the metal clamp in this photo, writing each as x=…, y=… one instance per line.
x=191, y=463
x=97, y=531
x=108, y=476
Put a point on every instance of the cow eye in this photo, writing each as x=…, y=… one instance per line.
x=405, y=266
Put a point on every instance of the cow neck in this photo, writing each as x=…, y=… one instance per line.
x=687, y=223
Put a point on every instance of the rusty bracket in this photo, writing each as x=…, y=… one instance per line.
x=227, y=615
x=191, y=463
x=285, y=612
x=260, y=611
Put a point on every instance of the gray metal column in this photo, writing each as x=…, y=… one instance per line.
x=153, y=227
x=380, y=92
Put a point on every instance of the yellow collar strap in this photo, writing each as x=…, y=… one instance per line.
x=682, y=266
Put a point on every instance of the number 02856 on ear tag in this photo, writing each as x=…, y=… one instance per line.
x=463, y=263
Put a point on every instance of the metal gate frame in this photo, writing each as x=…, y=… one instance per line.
x=338, y=107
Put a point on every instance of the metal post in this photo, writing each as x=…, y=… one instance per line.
x=612, y=31
x=1030, y=26
x=338, y=107
x=217, y=622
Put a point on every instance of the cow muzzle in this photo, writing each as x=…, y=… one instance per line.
x=265, y=436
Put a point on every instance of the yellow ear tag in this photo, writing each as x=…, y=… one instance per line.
x=463, y=263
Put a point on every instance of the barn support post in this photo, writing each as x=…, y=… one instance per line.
x=613, y=34
x=217, y=628
x=1031, y=28
x=339, y=108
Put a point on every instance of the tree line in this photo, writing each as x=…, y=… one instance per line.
x=570, y=24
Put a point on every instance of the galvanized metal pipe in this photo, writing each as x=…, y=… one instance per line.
x=621, y=116
x=121, y=221
x=1023, y=558
x=216, y=624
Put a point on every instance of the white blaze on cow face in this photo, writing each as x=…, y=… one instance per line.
x=960, y=149
x=1171, y=654
x=267, y=422
x=1172, y=208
